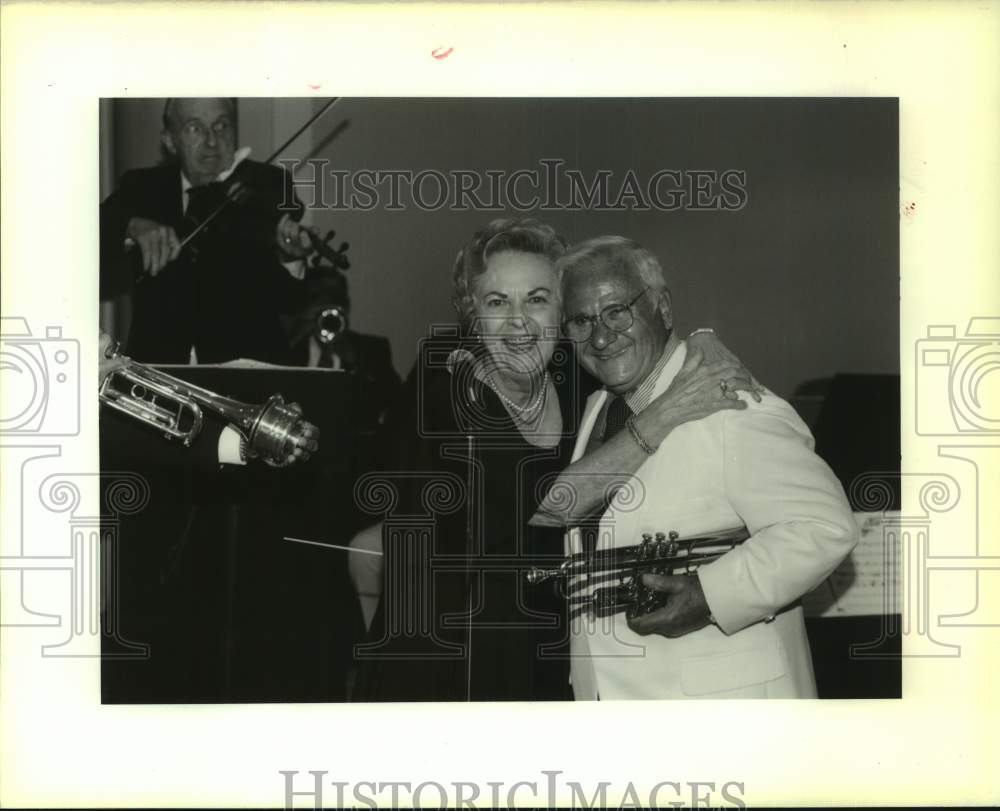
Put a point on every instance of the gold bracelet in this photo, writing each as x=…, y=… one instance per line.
x=648, y=449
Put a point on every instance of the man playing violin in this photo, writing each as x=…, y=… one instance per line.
x=733, y=628
x=215, y=295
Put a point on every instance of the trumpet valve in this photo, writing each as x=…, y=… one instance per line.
x=661, y=544
x=646, y=548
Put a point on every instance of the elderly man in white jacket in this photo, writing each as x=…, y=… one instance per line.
x=734, y=629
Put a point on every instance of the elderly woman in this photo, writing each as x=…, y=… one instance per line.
x=490, y=428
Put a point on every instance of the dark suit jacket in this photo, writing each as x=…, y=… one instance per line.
x=224, y=293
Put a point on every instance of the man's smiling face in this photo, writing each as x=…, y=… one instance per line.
x=620, y=360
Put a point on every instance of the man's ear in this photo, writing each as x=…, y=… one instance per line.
x=168, y=142
x=665, y=305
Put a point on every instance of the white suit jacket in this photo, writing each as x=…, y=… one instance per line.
x=754, y=467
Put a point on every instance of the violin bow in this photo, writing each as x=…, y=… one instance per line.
x=222, y=206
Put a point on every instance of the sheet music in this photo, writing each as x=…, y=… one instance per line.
x=867, y=583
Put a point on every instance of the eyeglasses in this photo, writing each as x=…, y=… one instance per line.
x=197, y=130
x=616, y=317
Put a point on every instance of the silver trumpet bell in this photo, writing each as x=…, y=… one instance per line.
x=174, y=406
x=330, y=324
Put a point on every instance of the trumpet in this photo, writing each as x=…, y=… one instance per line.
x=330, y=324
x=270, y=431
x=664, y=553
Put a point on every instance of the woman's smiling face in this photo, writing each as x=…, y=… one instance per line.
x=517, y=311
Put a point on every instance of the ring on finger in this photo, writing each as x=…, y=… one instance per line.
x=724, y=385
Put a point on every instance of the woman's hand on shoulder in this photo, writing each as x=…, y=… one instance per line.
x=713, y=350
x=700, y=389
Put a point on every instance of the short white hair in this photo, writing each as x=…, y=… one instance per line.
x=613, y=252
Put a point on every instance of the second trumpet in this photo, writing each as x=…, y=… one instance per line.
x=610, y=580
x=271, y=430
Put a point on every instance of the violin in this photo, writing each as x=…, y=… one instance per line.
x=247, y=206
x=336, y=257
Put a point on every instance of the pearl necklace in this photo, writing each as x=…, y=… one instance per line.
x=519, y=409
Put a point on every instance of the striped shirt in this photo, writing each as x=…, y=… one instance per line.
x=637, y=399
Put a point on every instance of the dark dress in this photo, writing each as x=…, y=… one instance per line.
x=458, y=620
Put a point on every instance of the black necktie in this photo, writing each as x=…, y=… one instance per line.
x=206, y=190
x=614, y=420
x=618, y=414
x=202, y=201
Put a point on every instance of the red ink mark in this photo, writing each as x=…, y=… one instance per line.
x=441, y=53
x=313, y=86
x=910, y=209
